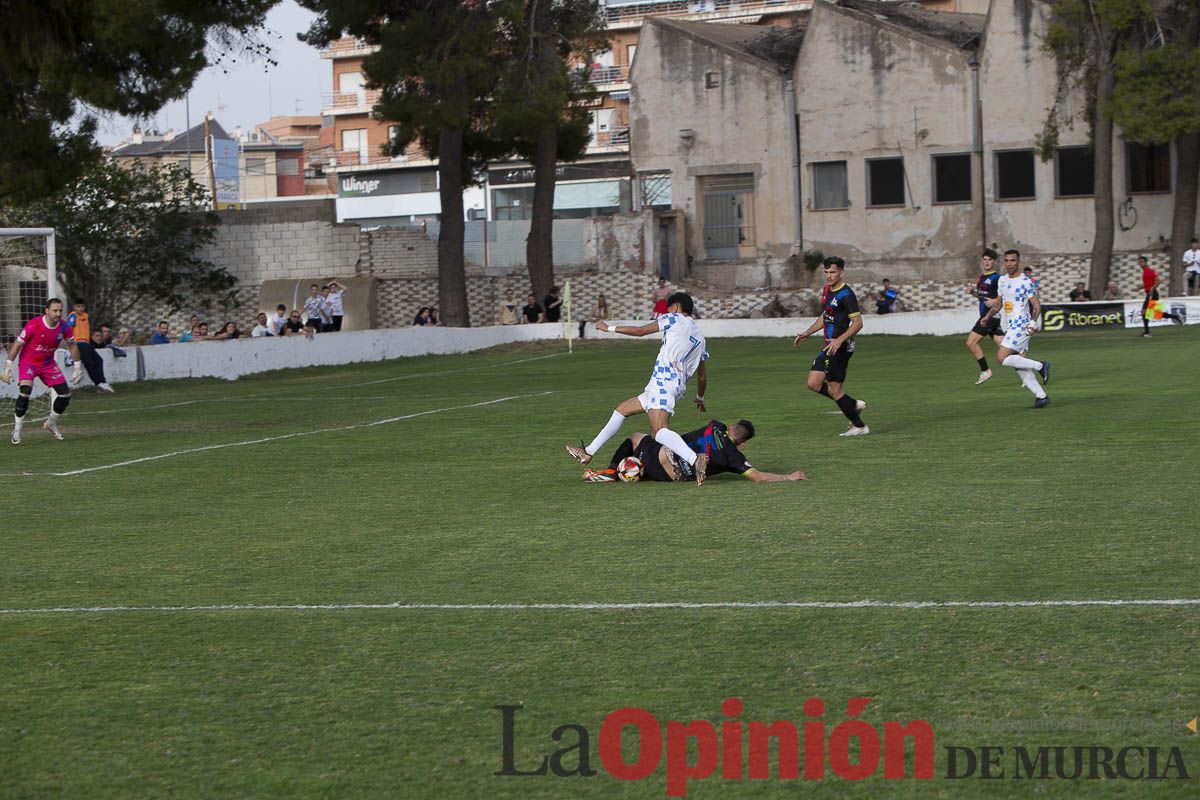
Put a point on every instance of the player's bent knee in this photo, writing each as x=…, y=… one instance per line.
x=22, y=403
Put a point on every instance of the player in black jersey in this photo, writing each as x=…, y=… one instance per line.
x=840, y=320
x=984, y=290
x=716, y=440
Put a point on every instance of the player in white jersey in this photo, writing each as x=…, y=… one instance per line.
x=1019, y=308
x=682, y=355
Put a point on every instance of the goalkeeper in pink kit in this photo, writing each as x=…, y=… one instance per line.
x=35, y=347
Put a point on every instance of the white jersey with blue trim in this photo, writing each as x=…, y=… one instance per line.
x=683, y=348
x=1015, y=294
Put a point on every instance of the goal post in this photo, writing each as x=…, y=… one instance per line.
x=28, y=277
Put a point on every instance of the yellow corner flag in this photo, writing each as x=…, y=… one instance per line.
x=1191, y=726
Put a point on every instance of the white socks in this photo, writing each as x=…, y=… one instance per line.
x=18, y=422
x=1021, y=362
x=610, y=430
x=1030, y=381
x=674, y=442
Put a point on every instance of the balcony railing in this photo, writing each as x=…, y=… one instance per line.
x=355, y=158
x=614, y=137
x=345, y=101
x=601, y=76
x=348, y=48
x=605, y=75
x=629, y=12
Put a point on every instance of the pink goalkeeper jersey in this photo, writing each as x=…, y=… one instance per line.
x=39, y=341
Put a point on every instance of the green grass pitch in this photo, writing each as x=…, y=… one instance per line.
x=960, y=493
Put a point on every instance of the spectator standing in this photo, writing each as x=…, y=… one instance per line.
x=1191, y=266
x=599, y=311
x=433, y=318
x=424, y=317
x=1080, y=293
x=263, y=328
x=160, y=336
x=336, y=290
x=532, y=312
x=508, y=309
x=661, y=293
x=553, y=304
x=312, y=308
x=886, y=304
x=326, y=310
x=276, y=321
x=201, y=333
x=1112, y=292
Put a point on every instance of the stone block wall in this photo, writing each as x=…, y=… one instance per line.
x=287, y=240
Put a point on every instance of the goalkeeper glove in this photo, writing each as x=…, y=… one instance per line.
x=77, y=375
x=6, y=375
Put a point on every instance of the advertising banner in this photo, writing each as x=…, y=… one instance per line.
x=1079, y=316
x=225, y=172
x=1186, y=308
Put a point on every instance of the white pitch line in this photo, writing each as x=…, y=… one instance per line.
x=266, y=439
x=766, y=604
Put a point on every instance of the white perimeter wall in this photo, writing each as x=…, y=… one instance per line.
x=232, y=359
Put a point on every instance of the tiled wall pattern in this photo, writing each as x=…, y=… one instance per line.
x=302, y=242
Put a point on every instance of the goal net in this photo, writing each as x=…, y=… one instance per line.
x=27, y=278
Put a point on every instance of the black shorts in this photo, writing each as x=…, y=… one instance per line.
x=652, y=469
x=833, y=366
x=991, y=329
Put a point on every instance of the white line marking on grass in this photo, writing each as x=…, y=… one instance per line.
x=277, y=398
x=280, y=437
x=443, y=372
x=767, y=604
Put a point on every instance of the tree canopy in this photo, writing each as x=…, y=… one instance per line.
x=128, y=237
x=65, y=62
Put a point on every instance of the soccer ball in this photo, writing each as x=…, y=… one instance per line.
x=630, y=469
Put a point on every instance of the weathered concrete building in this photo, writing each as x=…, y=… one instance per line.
x=912, y=146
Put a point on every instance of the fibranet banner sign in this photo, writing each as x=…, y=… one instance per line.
x=1077, y=316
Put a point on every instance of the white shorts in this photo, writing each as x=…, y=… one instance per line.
x=1016, y=338
x=661, y=395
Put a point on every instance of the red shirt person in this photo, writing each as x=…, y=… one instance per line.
x=1150, y=286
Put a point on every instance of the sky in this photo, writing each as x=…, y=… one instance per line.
x=248, y=93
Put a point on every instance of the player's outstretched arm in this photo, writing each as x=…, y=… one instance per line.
x=762, y=477
x=628, y=330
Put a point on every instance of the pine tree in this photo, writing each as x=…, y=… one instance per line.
x=1086, y=37
x=540, y=109
x=1157, y=100
x=61, y=62
x=436, y=71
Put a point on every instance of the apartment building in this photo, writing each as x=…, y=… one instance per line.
x=374, y=188
x=257, y=167
x=901, y=138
